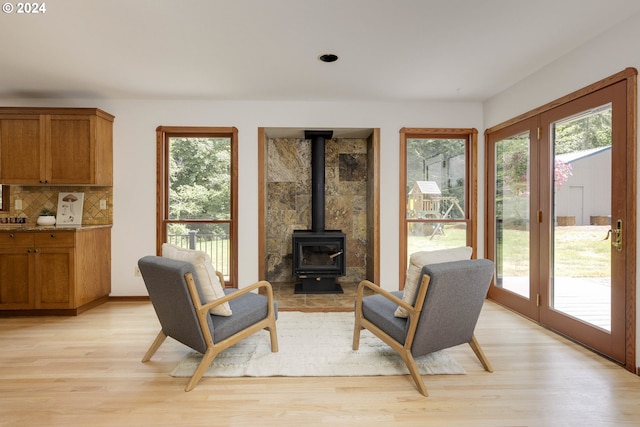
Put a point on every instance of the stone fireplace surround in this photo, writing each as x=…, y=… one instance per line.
x=351, y=194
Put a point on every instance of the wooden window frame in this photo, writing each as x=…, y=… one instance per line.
x=163, y=133
x=471, y=183
x=5, y=206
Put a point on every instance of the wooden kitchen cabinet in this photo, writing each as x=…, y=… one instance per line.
x=54, y=271
x=16, y=276
x=56, y=146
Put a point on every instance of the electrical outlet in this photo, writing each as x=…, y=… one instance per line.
x=103, y=204
x=136, y=272
x=18, y=204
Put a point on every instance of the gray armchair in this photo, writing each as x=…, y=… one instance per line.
x=176, y=297
x=448, y=303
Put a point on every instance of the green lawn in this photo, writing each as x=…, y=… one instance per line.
x=579, y=251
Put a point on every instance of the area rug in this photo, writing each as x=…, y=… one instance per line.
x=314, y=345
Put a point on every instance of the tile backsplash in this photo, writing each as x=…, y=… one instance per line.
x=34, y=198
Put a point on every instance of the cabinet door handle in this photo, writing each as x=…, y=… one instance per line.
x=35, y=251
x=12, y=236
x=28, y=251
x=53, y=235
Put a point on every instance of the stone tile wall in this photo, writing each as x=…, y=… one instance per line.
x=288, y=203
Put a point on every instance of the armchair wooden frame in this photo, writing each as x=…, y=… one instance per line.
x=202, y=310
x=404, y=350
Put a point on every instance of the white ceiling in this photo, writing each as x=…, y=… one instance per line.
x=390, y=50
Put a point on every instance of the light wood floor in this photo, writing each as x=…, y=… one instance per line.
x=86, y=371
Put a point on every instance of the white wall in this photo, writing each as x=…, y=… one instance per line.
x=606, y=55
x=135, y=163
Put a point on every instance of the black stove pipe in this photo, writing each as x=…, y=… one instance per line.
x=317, y=138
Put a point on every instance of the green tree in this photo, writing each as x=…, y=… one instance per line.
x=589, y=130
x=200, y=178
x=512, y=176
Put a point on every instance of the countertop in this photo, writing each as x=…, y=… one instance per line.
x=35, y=227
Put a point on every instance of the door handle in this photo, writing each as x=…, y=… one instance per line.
x=616, y=236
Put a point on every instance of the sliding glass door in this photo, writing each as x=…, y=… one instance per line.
x=581, y=255
x=513, y=213
x=586, y=141
x=558, y=211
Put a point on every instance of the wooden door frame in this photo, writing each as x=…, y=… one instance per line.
x=550, y=317
x=629, y=75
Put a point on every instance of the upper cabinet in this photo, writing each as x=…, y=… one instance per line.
x=56, y=146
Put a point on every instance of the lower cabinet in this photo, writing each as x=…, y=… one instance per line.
x=54, y=272
x=16, y=278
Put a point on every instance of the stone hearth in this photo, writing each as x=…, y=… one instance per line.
x=290, y=301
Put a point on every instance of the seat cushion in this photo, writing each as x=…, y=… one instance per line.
x=247, y=310
x=414, y=272
x=210, y=287
x=379, y=310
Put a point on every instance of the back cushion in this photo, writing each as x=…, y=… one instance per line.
x=210, y=284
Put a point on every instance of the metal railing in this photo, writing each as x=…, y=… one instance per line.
x=215, y=245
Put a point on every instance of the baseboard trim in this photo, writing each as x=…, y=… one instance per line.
x=128, y=298
x=55, y=311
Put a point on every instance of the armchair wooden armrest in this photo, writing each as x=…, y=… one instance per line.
x=261, y=284
x=378, y=290
x=413, y=310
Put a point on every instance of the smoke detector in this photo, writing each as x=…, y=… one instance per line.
x=328, y=57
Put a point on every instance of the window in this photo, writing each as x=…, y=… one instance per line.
x=197, y=193
x=4, y=198
x=437, y=204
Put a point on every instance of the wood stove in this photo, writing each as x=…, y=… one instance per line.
x=318, y=258
x=318, y=255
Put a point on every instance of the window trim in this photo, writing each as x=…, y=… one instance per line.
x=163, y=133
x=5, y=206
x=471, y=134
